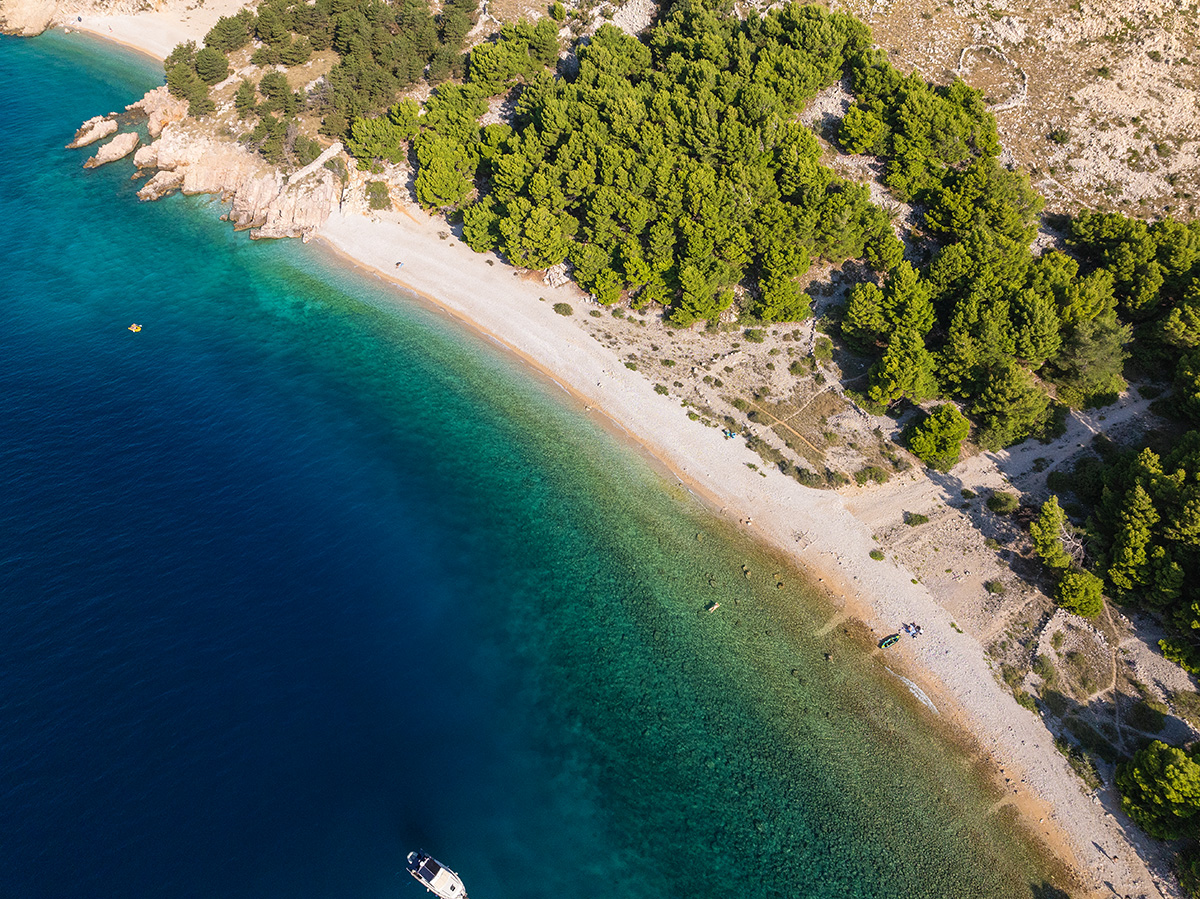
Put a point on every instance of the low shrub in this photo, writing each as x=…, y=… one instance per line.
x=1003, y=503
x=1092, y=740
x=1044, y=668
x=378, y=196
x=1081, y=764
x=1187, y=706
x=871, y=473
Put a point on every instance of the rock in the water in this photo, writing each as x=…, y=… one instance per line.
x=160, y=185
x=91, y=131
x=195, y=162
x=120, y=146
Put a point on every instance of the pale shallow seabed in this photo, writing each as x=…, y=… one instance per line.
x=301, y=577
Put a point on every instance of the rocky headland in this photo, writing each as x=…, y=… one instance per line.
x=184, y=156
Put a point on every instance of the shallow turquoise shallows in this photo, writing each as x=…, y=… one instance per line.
x=301, y=577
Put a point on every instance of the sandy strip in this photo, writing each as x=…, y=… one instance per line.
x=156, y=32
x=814, y=527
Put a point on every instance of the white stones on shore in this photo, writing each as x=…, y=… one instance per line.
x=117, y=148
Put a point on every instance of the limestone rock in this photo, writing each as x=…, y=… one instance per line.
x=195, y=161
x=146, y=157
x=263, y=199
x=301, y=208
x=161, y=108
x=160, y=185
x=120, y=146
x=26, y=17
x=274, y=208
x=557, y=275
x=91, y=131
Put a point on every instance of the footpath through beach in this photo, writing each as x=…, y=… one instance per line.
x=813, y=527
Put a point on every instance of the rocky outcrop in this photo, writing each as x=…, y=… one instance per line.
x=273, y=208
x=160, y=108
x=26, y=17
x=92, y=130
x=146, y=157
x=263, y=199
x=117, y=148
x=160, y=185
x=193, y=160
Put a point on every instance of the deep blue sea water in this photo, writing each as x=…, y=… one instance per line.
x=301, y=576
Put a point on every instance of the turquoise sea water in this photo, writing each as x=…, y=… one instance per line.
x=301, y=577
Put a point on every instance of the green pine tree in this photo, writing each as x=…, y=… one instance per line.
x=1160, y=791
x=905, y=371
x=1081, y=592
x=1046, y=532
x=864, y=323
x=937, y=439
x=1128, y=559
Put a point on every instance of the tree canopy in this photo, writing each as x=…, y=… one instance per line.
x=669, y=171
x=1160, y=790
x=937, y=439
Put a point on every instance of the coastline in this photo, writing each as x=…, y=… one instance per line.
x=815, y=529
x=812, y=528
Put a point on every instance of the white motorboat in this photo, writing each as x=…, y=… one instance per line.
x=436, y=877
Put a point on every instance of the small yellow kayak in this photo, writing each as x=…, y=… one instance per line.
x=135, y=327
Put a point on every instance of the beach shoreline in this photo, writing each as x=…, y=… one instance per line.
x=814, y=529
x=811, y=528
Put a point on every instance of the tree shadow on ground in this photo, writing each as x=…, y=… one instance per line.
x=1045, y=890
x=1004, y=529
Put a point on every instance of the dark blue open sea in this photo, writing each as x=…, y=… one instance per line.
x=302, y=576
